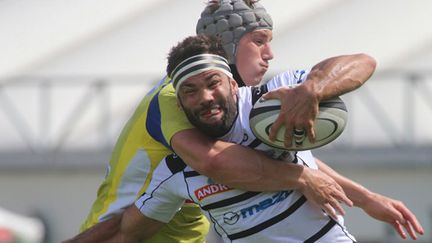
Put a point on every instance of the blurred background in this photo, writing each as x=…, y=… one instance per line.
x=72, y=72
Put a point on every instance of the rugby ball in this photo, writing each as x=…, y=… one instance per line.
x=329, y=124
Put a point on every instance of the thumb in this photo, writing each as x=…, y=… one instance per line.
x=270, y=95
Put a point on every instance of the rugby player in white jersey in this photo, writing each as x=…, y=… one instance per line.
x=213, y=103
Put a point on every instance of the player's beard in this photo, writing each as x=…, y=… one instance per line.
x=229, y=108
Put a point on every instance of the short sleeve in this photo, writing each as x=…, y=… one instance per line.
x=164, y=117
x=162, y=199
x=288, y=78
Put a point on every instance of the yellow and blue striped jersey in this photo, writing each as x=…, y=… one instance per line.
x=142, y=145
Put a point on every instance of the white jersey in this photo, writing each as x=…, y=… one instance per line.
x=242, y=216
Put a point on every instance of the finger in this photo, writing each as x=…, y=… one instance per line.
x=408, y=227
x=288, y=135
x=330, y=211
x=275, y=128
x=310, y=133
x=288, y=138
x=399, y=229
x=271, y=95
x=410, y=217
x=343, y=198
x=336, y=205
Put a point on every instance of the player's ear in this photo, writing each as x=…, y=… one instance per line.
x=178, y=103
x=234, y=86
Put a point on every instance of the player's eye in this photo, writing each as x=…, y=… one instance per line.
x=214, y=83
x=259, y=41
x=189, y=91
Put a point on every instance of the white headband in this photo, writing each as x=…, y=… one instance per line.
x=198, y=64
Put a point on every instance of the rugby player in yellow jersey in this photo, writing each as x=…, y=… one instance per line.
x=157, y=128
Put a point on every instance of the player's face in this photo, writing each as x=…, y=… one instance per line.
x=209, y=101
x=253, y=56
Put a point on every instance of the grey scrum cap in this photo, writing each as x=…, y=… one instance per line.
x=230, y=20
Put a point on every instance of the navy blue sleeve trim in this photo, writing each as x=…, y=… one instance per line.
x=193, y=173
x=174, y=163
x=153, y=122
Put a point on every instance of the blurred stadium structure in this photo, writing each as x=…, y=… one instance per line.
x=20, y=228
x=71, y=75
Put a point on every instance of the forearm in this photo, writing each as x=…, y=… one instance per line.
x=101, y=232
x=355, y=192
x=235, y=165
x=339, y=75
x=129, y=226
x=136, y=227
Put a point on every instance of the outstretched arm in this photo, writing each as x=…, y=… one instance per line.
x=377, y=206
x=329, y=78
x=339, y=75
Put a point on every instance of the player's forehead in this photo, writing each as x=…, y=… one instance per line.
x=203, y=78
x=261, y=33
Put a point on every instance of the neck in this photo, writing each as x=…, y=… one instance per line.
x=236, y=75
x=232, y=119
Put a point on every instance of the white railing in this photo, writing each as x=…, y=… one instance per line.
x=67, y=121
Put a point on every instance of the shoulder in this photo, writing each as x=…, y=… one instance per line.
x=165, y=117
x=287, y=78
